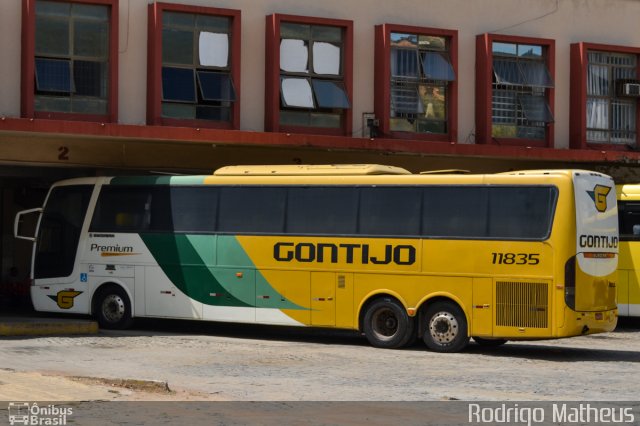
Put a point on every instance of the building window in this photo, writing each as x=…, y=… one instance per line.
x=309, y=83
x=420, y=74
x=194, y=66
x=415, y=80
x=611, y=114
x=605, y=97
x=515, y=85
x=520, y=79
x=73, y=67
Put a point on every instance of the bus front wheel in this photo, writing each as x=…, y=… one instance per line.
x=387, y=325
x=113, y=308
x=446, y=328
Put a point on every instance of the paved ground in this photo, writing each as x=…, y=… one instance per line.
x=205, y=362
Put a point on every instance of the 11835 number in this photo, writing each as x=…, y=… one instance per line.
x=515, y=258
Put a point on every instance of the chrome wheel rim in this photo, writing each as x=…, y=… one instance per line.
x=113, y=308
x=384, y=323
x=443, y=328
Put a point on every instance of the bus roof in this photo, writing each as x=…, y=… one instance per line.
x=629, y=191
x=311, y=170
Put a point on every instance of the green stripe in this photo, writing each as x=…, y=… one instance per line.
x=204, y=267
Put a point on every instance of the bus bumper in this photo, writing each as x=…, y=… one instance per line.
x=583, y=323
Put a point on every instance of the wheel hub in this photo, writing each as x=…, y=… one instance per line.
x=443, y=328
x=113, y=308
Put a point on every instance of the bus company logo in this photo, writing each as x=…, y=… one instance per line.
x=599, y=197
x=64, y=298
x=23, y=413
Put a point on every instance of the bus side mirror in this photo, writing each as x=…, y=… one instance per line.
x=16, y=223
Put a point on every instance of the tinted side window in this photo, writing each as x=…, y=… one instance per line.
x=322, y=210
x=194, y=209
x=450, y=211
x=520, y=212
x=390, y=211
x=59, y=231
x=629, y=220
x=252, y=209
x=132, y=209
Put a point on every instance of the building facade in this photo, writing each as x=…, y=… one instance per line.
x=134, y=86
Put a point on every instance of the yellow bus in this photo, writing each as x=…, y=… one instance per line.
x=629, y=263
x=398, y=256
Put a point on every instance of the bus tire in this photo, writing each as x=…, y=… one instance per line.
x=489, y=343
x=387, y=325
x=446, y=327
x=113, y=308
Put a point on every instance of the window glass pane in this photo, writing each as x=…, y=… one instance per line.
x=205, y=112
x=178, y=84
x=507, y=72
x=431, y=126
x=90, y=11
x=326, y=33
x=91, y=38
x=436, y=66
x=432, y=42
x=52, y=36
x=322, y=210
x=52, y=8
x=326, y=58
x=51, y=103
x=405, y=99
x=295, y=118
x=90, y=78
x=536, y=74
x=218, y=24
x=252, y=209
x=529, y=51
x=450, y=211
x=504, y=106
x=88, y=105
x=294, y=55
x=194, y=209
x=404, y=63
x=390, y=211
x=122, y=209
x=296, y=92
x=402, y=124
x=59, y=231
x=520, y=212
x=184, y=111
x=433, y=100
x=326, y=120
x=504, y=49
x=330, y=94
x=629, y=219
x=404, y=40
x=178, y=19
x=598, y=80
x=214, y=49
x=177, y=46
x=299, y=31
x=597, y=114
x=535, y=108
x=215, y=86
x=53, y=75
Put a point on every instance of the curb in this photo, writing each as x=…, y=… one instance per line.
x=47, y=328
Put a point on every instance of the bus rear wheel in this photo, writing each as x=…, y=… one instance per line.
x=446, y=328
x=113, y=308
x=387, y=325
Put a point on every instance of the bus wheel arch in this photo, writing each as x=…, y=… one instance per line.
x=386, y=323
x=111, y=306
x=443, y=325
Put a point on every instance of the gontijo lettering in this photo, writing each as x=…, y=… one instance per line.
x=401, y=254
x=598, y=241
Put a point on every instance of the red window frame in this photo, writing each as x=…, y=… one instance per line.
x=484, y=78
x=154, y=65
x=578, y=95
x=27, y=84
x=382, y=82
x=272, y=74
